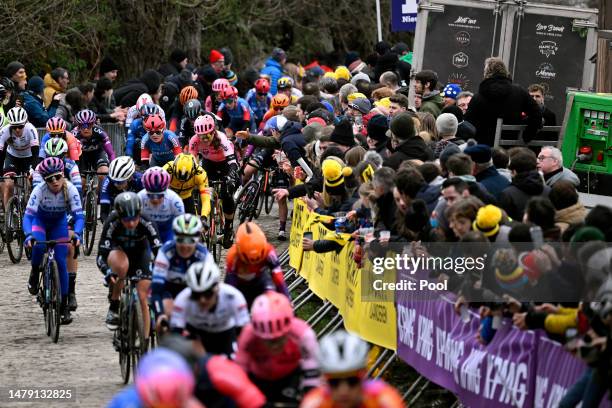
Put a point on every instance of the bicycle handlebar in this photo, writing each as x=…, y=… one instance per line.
x=91, y=172
x=52, y=243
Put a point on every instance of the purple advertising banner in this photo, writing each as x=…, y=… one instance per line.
x=403, y=15
x=517, y=369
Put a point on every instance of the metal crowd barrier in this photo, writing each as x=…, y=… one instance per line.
x=115, y=131
x=521, y=129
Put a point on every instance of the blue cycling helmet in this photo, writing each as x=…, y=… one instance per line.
x=149, y=109
x=451, y=91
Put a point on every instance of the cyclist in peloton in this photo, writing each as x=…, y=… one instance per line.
x=259, y=99
x=279, y=102
x=56, y=129
x=187, y=93
x=278, y=351
x=96, y=148
x=209, y=310
x=137, y=131
x=284, y=86
x=186, y=175
x=343, y=358
x=158, y=146
x=18, y=148
x=252, y=265
x=57, y=147
x=235, y=112
x=214, y=100
x=122, y=176
x=219, y=161
x=191, y=110
x=126, y=244
x=173, y=261
x=134, y=112
x=46, y=217
x=159, y=204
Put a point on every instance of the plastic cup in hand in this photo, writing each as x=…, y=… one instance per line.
x=384, y=235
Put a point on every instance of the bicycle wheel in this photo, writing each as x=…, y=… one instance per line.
x=267, y=193
x=43, y=296
x=220, y=221
x=211, y=237
x=137, y=340
x=261, y=195
x=122, y=333
x=91, y=221
x=247, y=201
x=55, y=303
x=12, y=231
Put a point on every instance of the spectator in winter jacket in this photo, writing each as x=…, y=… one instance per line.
x=536, y=91
x=149, y=82
x=377, y=135
x=70, y=105
x=16, y=72
x=406, y=144
x=550, y=163
x=465, y=130
x=484, y=170
x=33, y=103
x=569, y=210
x=103, y=102
x=526, y=183
x=55, y=83
x=425, y=84
x=109, y=69
x=176, y=63
x=274, y=68
x=500, y=158
x=498, y=97
x=446, y=126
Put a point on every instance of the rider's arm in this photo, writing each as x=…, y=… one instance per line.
x=74, y=147
x=158, y=283
x=41, y=152
x=76, y=208
x=34, y=157
x=108, y=147
x=31, y=211
x=106, y=243
x=178, y=320
x=194, y=146
x=276, y=271
x=105, y=199
x=74, y=175
x=176, y=145
x=201, y=181
x=230, y=380
x=34, y=146
x=131, y=137
x=145, y=154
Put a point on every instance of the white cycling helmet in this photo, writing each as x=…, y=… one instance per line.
x=342, y=352
x=121, y=169
x=202, y=276
x=142, y=100
x=17, y=116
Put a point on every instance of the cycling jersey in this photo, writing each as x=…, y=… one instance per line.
x=108, y=192
x=71, y=172
x=169, y=271
x=19, y=146
x=137, y=243
x=239, y=117
x=96, y=143
x=74, y=146
x=133, y=113
x=299, y=353
x=157, y=154
x=259, y=107
x=163, y=214
x=184, y=188
x=375, y=394
x=223, y=151
x=134, y=137
x=210, y=105
x=186, y=132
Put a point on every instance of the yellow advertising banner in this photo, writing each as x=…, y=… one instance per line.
x=300, y=217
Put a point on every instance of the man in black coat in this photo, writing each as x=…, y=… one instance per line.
x=498, y=97
x=407, y=145
x=127, y=95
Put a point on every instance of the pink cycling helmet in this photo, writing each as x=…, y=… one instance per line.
x=51, y=165
x=56, y=125
x=204, y=124
x=271, y=315
x=220, y=84
x=85, y=117
x=164, y=379
x=156, y=180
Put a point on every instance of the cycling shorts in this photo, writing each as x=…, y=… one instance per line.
x=263, y=157
x=16, y=165
x=140, y=263
x=224, y=342
x=92, y=161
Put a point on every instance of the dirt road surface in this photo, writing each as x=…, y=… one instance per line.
x=83, y=360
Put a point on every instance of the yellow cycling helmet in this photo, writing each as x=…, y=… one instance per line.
x=184, y=166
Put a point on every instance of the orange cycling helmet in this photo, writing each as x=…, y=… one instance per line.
x=251, y=243
x=279, y=101
x=187, y=93
x=154, y=123
x=56, y=125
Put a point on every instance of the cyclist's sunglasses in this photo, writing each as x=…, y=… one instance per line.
x=57, y=134
x=351, y=381
x=155, y=196
x=53, y=177
x=17, y=126
x=155, y=132
x=261, y=94
x=186, y=240
x=119, y=183
x=85, y=125
x=130, y=219
x=207, y=294
x=231, y=100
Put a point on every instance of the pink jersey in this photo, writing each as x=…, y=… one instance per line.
x=208, y=152
x=300, y=352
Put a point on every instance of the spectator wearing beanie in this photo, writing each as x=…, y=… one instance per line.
x=217, y=62
x=449, y=94
x=274, y=68
x=176, y=63
x=406, y=144
x=446, y=125
x=484, y=170
x=16, y=72
x=465, y=130
x=33, y=103
x=109, y=69
x=377, y=135
x=569, y=210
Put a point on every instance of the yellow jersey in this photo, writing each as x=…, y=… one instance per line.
x=184, y=189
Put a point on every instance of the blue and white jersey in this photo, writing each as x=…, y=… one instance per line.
x=48, y=206
x=169, y=266
x=163, y=214
x=71, y=172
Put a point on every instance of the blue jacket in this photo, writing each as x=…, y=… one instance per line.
x=134, y=136
x=37, y=114
x=494, y=182
x=274, y=70
x=292, y=142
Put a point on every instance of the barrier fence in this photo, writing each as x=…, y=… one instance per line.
x=518, y=368
x=116, y=132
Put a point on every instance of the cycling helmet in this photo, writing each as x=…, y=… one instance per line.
x=284, y=83
x=220, y=84
x=342, y=352
x=192, y=109
x=187, y=225
x=279, y=101
x=149, y=109
x=262, y=86
x=271, y=315
x=154, y=123
x=3, y=92
x=228, y=93
x=202, y=276
x=85, y=117
x=164, y=379
x=8, y=84
x=204, y=124
x=184, y=166
x=51, y=165
x=56, y=125
x=251, y=243
x=128, y=204
x=156, y=180
x=142, y=99
x=121, y=169
x=56, y=146
x=187, y=93
x=17, y=116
